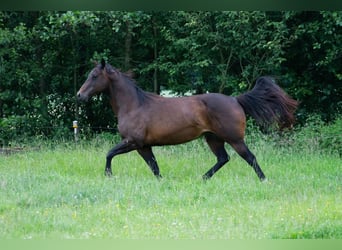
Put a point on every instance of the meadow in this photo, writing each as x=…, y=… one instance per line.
x=60, y=191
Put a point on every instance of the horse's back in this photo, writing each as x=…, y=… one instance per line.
x=218, y=103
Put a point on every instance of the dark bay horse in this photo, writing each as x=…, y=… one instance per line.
x=146, y=119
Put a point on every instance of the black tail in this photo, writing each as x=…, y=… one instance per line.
x=267, y=103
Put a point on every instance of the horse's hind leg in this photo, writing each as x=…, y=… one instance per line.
x=147, y=154
x=242, y=149
x=217, y=147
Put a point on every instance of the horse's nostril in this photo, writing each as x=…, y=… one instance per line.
x=81, y=97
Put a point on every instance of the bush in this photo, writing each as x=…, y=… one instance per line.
x=23, y=129
x=314, y=135
x=330, y=138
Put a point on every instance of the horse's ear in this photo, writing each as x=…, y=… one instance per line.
x=103, y=63
x=95, y=63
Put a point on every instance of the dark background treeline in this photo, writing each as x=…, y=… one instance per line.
x=45, y=57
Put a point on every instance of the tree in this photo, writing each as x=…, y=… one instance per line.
x=210, y=51
x=313, y=61
x=45, y=56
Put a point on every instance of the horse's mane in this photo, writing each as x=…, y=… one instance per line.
x=129, y=73
x=128, y=76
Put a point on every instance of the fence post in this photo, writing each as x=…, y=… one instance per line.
x=75, y=126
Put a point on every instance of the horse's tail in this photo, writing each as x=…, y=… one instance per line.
x=267, y=103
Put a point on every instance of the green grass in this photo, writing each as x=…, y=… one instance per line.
x=61, y=192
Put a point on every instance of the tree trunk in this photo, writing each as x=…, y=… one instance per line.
x=224, y=71
x=156, y=85
x=128, y=45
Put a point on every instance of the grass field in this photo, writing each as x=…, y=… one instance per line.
x=60, y=191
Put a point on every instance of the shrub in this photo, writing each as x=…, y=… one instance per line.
x=315, y=135
x=330, y=138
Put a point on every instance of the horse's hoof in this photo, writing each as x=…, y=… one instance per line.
x=264, y=180
x=205, y=177
x=108, y=173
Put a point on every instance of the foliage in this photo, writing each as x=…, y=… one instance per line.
x=314, y=135
x=313, y=66
x=45, y=57
x=326, y=137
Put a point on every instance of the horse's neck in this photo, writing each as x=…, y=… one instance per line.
x=123, y=97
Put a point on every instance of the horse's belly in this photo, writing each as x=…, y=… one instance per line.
x=170, y=136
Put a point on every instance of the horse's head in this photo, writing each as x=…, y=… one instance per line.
x=97, y=81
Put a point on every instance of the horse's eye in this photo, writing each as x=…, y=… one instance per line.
x=94, y=77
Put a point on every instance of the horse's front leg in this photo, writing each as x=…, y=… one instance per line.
x=124, y=146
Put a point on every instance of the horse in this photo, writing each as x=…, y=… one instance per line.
x=146, y=119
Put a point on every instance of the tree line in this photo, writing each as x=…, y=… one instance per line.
x=45, y=57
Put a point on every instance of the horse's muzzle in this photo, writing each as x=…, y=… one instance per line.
x=82, y=97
